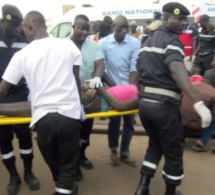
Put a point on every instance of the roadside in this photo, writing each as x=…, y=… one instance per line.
x=123, y=180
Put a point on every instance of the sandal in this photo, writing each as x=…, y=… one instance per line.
x=198, y=148
x=114, y=160
x=127, y=160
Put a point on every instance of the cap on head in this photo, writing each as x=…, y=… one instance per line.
x=11, y=14
x=133, y=23
x=204, y=18
x=175, y=9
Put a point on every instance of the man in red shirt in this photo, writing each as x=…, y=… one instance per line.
x=188, y=39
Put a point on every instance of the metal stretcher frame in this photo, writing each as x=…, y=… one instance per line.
x=25, y=120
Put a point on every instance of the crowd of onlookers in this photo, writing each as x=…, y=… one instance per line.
x=198, y=41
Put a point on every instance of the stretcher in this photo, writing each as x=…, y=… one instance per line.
x=25, y=120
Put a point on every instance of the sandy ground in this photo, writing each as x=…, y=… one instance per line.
x=123, y=180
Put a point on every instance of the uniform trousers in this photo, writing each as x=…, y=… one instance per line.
x=58, y=141
x=203, y=62
x=24, y=136
x=86, y=129
x=162, y=122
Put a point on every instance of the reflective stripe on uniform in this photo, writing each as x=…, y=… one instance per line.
x=83, y=141
x=207, y=36
x=153, y=101
x=63, y=191
x=160, y=91
x=161, y=50
x=29, y=151
x=173, y=177
x=153, y=49
x=8, y=155
x=149, y=164
x=18, y=45
x=173, y=47
x=2, y=44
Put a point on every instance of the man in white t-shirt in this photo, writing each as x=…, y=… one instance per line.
x=51, y=69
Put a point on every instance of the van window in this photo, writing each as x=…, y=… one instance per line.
x=54, y=32
x=62, y=30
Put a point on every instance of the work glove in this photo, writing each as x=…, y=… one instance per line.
x=187, y=59
x=95, y=82
x=193, y=58
x=204, y=113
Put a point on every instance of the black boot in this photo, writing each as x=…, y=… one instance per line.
x=171, y=190
x=31, y=180
x=78, y=174
x=14, y=185
x=143, y=188
x=83, y=160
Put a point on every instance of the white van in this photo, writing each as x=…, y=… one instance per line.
x=63, y=28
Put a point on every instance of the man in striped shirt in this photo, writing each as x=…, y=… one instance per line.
x=162, y=77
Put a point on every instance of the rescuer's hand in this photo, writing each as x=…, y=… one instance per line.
x=204, y=113
x=193, y=58
x=95, y=82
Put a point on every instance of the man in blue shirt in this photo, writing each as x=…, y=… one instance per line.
x=120, y=55
x=92, y=69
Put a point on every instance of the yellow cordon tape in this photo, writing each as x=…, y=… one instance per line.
x=25, y=120
x=111, y=113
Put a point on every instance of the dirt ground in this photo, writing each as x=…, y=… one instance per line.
x=123, y=180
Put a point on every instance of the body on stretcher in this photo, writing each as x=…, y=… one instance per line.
x=4, y=120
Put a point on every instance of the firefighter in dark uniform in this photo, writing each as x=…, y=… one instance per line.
x=162, y=77
x=205, y=58
x=12, y=41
